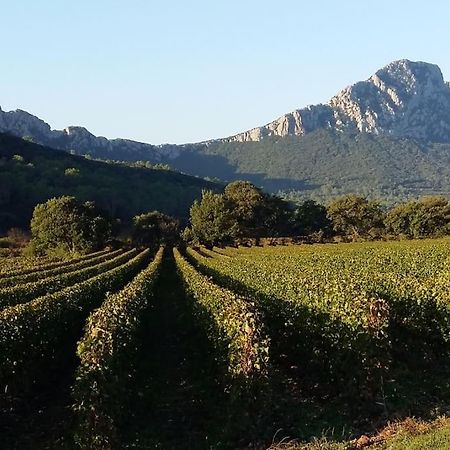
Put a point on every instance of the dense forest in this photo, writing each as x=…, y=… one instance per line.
x=31, y=174
x=319, y=165
x=327, y=163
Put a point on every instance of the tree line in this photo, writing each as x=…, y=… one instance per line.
x=245, y=211
x=64, y=225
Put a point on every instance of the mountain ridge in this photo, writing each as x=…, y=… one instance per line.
x=31, y=174
x=401, y=114
x=365, y=106
x=372, y=106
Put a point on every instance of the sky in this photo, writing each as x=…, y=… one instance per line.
x=185, y=71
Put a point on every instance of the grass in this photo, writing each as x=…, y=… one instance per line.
x=409, y=434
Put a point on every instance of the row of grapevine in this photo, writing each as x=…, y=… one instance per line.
x=106, y=352
x=22, y=266
x=9, y=263
x=422, y=259
x=23, y=293
x=412, y=278
x=331, y=328
x=234, y=326
x=36, y=336
x=420, y=306
x=30, y=277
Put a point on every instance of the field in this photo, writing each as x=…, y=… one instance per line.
x=295, y=347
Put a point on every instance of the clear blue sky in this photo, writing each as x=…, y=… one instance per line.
x=184, y=71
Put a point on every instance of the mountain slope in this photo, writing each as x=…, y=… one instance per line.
x=388, y=135
x=80, y=141
x=326, y=163
x=31, y=174
x=404, y=99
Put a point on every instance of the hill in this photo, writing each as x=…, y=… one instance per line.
x=31, y=174
x=326, y=163
x=386, y=136
x=407, y=99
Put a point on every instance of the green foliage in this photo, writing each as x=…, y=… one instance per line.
x=242, y=211
x=121, y=191
x=355, y=216
x=426, y=217
x=310, y=217
x=399, y=219
x=247, y=204
x=29, y=265
x=377, y=292
x=212, y=221
x=153, y=229
x=103, y=382
x=232, y=323
x=436, y=439
x=330, y=326
x=188, y=237
x=64, y=225
x=72, y=172
x=18, y=158
x=33, y=274
x=35, y=336
x=326, y=164
x=256, y=213
x=22, y=293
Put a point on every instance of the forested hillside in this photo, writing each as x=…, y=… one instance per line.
x=326, y=163
x=31, y=174
x=387, y=137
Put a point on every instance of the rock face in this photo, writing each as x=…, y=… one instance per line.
x=21, y=123
x=404, y=99
x=80, y=141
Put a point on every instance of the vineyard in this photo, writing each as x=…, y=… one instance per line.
x=224, y=348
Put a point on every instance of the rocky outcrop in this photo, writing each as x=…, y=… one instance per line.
x=405, y=99
x=79, y=140
x=21, y=123
x=297, y=123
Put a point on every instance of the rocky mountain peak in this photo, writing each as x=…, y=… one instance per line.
x=404, y=98
x=22, y=123
x=410, y=77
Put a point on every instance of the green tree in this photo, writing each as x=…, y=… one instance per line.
x=310, y=217
x=276, y=217
x=256, y=213
x=432, y=218
x=355, y=216
x=155, y=228
x=247, y=204
x=212, y=220
x=72, y=172
x=399, y=220
x=426, y=217
x=65, y=226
